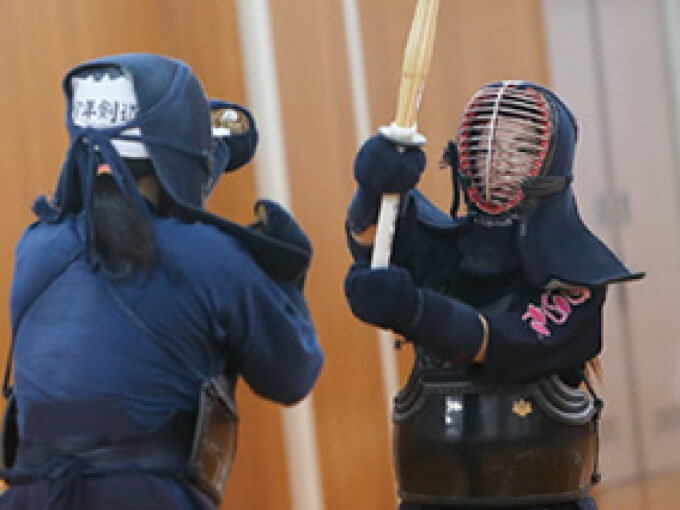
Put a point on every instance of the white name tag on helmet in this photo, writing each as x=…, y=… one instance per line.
x=108, y=102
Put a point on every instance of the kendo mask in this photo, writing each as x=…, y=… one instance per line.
x=503, y=154
x=514, y=156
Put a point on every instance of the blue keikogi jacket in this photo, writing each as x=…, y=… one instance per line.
x=101, y=359
x=206, y=300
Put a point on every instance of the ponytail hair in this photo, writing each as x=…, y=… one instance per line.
x=122, y=235
x=594, y=370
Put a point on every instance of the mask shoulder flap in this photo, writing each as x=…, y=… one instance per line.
x=430, y=216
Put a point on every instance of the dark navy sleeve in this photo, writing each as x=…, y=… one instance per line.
x=550, y=332
x=267, y=330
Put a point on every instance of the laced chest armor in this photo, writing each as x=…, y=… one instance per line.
x=461, y=442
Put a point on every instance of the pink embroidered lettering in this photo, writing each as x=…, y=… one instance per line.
x=562, y=303
x=556, y=307
x=537, y=320
x=577, y=295
x=552, y=311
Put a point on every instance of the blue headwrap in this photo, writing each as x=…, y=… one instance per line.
x=174, y=125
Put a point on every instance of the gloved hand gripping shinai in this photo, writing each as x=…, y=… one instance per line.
x=276, y=223
x=388, y=298
x=380, y=167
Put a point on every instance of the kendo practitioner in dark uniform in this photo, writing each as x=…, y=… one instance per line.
x=134, y=310
x=503, y=307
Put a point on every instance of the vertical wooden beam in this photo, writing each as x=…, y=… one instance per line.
x=272, y=181
x=319, y=130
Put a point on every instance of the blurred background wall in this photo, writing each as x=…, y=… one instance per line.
x=614, y=61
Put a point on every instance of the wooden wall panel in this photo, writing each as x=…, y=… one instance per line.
x=39, y=41
x=634, y=65
x=651, y=493
x=319, y=135
x=576, y=76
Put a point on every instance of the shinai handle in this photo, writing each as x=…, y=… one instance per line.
x=403, y=131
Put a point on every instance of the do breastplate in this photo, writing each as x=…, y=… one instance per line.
x=466, y=443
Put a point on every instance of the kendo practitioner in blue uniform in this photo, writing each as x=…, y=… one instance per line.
x=503, y=307
x=134, y=310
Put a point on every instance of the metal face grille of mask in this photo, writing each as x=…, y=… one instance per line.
x=503, y=138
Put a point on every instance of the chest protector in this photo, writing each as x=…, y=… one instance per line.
x=459, y=442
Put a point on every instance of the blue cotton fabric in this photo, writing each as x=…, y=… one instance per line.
x=207, y=300
x=148, y=342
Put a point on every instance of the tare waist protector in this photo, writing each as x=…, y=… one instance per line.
x=465, y=443
x=95, y=437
